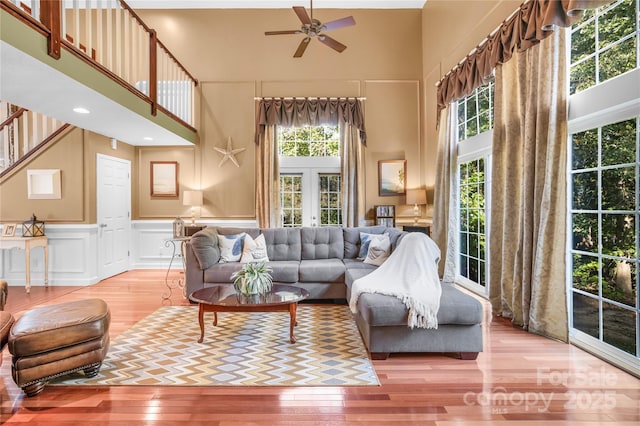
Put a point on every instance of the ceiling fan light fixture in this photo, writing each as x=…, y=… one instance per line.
x=312, y=27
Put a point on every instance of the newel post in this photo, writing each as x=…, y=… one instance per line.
x=50, y=16
x=153, y=70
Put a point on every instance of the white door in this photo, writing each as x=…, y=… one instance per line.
x=113, y=182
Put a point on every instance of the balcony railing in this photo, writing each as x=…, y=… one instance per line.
x=22, y=131
x=109, y=35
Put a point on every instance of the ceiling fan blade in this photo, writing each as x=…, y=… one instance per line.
x=340, y=23
x=282, y=32
x=302, y=47
x=302, y=14
x=332, y=43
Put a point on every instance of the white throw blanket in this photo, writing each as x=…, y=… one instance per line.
x=411, y=275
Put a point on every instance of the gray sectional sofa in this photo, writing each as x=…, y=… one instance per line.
x=325, y=262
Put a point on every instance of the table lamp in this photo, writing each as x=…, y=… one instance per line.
x=416, y=197
x=192, y=199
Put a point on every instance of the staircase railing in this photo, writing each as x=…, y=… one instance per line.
x=22, y=132
x=110, y=36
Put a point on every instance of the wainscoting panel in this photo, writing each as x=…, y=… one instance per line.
x=72, y=258
x=73, y=252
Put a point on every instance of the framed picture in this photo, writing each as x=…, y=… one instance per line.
x=164, y=179
x=391, y=177
x=9, y=229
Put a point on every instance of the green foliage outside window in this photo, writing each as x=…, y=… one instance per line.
x=472, y=221
x=309, y=141
x=604, y=226
x=604, y=44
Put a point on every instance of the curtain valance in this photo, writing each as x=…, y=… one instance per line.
x=315, y=112
x=532, y=22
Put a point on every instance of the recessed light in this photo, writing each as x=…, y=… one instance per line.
x=81, y=110
x=148, y=138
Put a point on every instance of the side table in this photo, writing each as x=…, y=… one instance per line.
x=177, y=252
x=26, y=244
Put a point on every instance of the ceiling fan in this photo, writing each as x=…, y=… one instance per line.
x=314, y=28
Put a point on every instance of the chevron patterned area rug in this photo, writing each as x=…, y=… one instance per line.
x=245, y=349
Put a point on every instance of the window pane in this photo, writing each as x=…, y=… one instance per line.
x=618, y=59
x=583, y=42
x=619, y=327
x=616, y=23
x=583, y=75
x=619, y=143
x=585, y=232
x=585, y=191
x=585, y=273
x=619, y=235
x=619, y=189
x=585, y=315
x=585, y=150
x=619, y=278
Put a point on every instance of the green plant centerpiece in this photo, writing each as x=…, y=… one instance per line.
x=253, y=278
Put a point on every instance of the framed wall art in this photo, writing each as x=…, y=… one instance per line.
x=9, y=229
x=392, y=177
x=164, y=179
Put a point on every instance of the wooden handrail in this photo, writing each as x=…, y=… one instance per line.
x=177, y=62
x=36, y=148
x=12, y=117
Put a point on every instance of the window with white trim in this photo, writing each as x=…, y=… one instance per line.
x=310, y=179
x=604, y=169
x=475, y=124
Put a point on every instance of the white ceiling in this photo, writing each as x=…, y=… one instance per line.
x=275, y=4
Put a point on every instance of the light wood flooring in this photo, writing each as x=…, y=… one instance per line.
x=519, y=379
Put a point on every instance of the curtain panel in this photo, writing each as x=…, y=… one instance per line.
x=527, y=234
x=534, y=21
x=299, y=112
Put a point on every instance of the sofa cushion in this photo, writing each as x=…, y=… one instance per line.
x=205, y=247
x=354, y=270
x=322, y=270
x=283, y=243
x=379, y=250
x=285, y=271
x=221, y=272
x=231, y=247
x=351, y=238
x=456, y=307
x=254, y=250
x=322, y=243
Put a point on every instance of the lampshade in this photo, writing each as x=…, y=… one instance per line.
x=192, y=198
x=416, y=196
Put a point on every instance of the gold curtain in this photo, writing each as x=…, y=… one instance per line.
x=352, y=172
x=528, y=203
x=267, y=179
x=445, y=193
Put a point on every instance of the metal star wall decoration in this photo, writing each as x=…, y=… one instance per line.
x=229, y=153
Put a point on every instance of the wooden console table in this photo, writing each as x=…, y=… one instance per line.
x=26, y=244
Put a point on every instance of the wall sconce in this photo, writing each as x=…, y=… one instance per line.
x=416, y=197
x=192, y=199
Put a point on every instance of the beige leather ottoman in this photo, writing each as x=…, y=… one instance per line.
x=55, y=340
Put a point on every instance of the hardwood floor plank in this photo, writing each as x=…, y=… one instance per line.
x=416, y=389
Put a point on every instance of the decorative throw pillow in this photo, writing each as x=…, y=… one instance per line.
x=379, y=250
x=365, y=240
x=230, y=247
x=254, y=250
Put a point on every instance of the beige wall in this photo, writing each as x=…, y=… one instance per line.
x=74, y=154
x=393, y=59
x=228, y=52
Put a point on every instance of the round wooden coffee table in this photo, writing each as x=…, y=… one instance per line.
x=223, y=298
